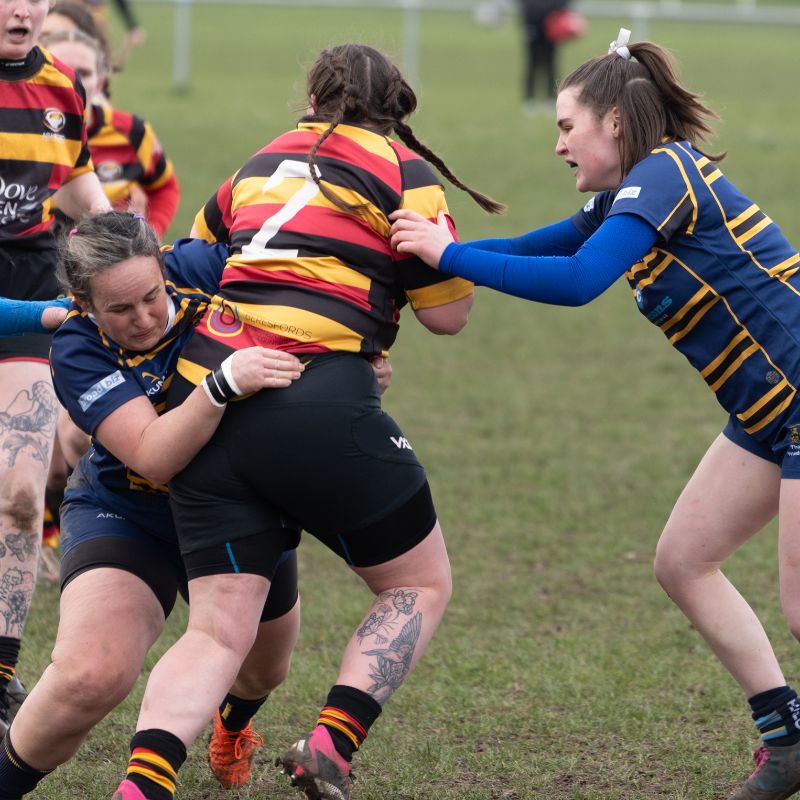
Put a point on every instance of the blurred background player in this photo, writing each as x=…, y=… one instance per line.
x=124, y=149
x=540, y=49
x=44, y=158
x=134, y=33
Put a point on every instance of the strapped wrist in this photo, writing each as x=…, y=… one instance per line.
x=213, y=391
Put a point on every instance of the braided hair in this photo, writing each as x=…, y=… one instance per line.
x=354, y=83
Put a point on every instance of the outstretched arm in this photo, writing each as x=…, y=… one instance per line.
x=618, y=243
x=34, y=316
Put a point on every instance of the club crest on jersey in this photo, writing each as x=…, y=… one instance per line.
x=55, y=119
x=225, y=321
x=108, y=171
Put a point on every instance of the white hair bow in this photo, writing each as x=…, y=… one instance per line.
x=618, y=46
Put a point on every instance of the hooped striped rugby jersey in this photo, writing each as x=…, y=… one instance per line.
x=305, y=276
x=722, y=282
x=125, y=151
x=43, y=144
x=93, y=376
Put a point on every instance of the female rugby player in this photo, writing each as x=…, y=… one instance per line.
x=716, y=274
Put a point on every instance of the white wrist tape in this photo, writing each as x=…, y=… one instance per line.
x=227, y=370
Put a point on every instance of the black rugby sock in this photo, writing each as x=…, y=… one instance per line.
x=9, y=655
x=16, y=777
x=348, y=715
x=156, y=757
x=235, y=713
x=776, y=714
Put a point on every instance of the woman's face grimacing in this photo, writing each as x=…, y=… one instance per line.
x=129, y=302
x=588, y=144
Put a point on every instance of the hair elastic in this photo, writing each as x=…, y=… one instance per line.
x=619, y=45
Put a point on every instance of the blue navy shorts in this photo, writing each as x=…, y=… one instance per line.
x=93, y=537
x=783, y=449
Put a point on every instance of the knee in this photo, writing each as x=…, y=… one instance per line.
x=444, y=586
x=670, y=566
x=93, y=683
x=235, y=639
x=436, y=583
x=675, y=566
x=262, y=679
x=664, y=567
x=21, y=498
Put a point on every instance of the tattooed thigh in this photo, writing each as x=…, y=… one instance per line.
x=27, y=424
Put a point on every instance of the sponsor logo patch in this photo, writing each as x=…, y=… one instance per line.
x=628, y=193
x=55, y=119
x=108, y=171
x=102, y=387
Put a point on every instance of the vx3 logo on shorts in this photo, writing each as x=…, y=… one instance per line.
x=401, y=443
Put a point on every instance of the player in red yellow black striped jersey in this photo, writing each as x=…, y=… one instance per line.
x=125, y=151
x=311, y=272
x=43, y=154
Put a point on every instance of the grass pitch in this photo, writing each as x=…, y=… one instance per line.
x=556, y=441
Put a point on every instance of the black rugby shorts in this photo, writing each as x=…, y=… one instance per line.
x=27, y=275
x=320, y=453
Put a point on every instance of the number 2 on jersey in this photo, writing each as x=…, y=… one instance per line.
x=257, y=247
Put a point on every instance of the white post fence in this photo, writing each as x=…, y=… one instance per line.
x=639, y=12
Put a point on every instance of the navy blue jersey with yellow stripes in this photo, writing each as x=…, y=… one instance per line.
x=94, y=376
x=43, y=144
x=304, y=275
x=722, y=281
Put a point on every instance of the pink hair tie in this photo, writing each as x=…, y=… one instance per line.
x=72, y=232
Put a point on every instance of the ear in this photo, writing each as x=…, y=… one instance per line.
x=616, y=122
x=312, y=103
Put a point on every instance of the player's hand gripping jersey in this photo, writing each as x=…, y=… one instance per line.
x=304, y=275
x=93, y=375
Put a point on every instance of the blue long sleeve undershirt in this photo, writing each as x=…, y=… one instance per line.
x=518, y=266
x=559, y=239
x=22, y=316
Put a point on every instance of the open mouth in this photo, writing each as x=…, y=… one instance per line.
x=18, y=33
x=572, y=164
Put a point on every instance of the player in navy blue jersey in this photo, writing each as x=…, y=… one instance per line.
x=716, y=274
x=112, y=361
